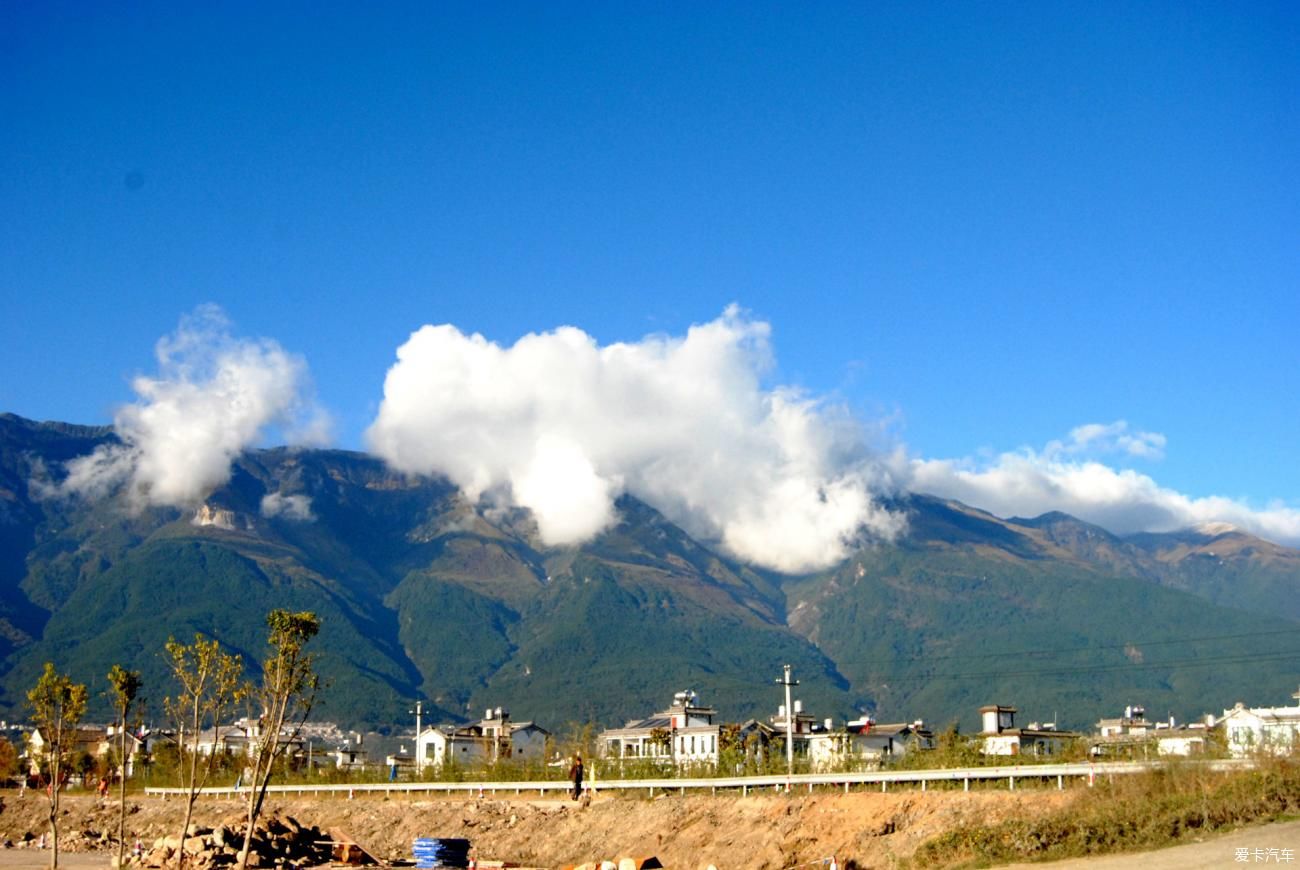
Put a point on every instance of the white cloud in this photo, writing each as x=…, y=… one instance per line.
x=563, y=426
x=214, y=396
x=1098, y=438
x=291, y=507
x=1061, y=477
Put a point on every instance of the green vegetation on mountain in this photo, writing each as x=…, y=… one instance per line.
x=954, y=630
x=422, y=594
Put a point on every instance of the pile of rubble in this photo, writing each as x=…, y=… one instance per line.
x=69, y=841
x=622, y=864
x=278, y=841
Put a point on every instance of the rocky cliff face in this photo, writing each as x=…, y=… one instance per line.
x=220, y=518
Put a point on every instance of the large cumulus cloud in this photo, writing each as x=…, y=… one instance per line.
x=561, y=425
x=214, y=395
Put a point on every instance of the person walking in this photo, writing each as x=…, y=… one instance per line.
x=575, y=774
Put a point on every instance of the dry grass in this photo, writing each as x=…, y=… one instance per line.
x=1142, y=811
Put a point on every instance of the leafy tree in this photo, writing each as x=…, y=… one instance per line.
x=8, y=758
x=209, y=683
x=661, y=738
x=124, y=686
x=286, y=696
x=57, y=706
x=84, y=764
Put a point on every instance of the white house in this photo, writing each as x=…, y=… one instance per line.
x=237, y=738
x=1262, y=729
x=491, y=739
x=75, y=740
x=865, y=741
x=137, y=747
x=1181, y=740
x=1000, y=736
x=1134, y=735
x=799, y=726
x=351, y=757
x=685, y=733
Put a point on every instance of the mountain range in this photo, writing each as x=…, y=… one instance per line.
x=425, y=595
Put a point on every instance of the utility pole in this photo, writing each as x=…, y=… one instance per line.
x=789, y=727
x=419, y=762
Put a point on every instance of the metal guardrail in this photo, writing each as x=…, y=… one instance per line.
x=745, y=784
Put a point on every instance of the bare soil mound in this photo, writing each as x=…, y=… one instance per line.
x=868, y=829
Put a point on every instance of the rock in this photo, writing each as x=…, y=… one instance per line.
x=219, y=835
x=195, y=845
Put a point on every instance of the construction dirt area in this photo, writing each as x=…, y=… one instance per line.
x=861, y=829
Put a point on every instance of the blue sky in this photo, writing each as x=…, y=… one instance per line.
x=984, y=224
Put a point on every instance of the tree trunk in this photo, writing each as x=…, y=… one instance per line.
x=54, y=816
x=121, y=814
x=54, y=838
x=256, y=793
x=189, y=800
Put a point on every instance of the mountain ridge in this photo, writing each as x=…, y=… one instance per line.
x=424, y=594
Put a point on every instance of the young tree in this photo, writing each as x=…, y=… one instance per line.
x=285, y=699
x=209, y=683
x=57, y=706
x=124, y=687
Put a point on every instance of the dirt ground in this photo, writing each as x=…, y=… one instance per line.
x=862, y=829
x=767, y=831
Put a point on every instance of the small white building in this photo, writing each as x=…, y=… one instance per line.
x=1274, y=730
x=239, y=736
x=491, y=739
x=683, y=734
x=350, y=757
x=1133, y=735
x=136, y=747
x=863, y=741
x=87, y=738
x=1000, y=736
x=801, y=727
x=1182, y=740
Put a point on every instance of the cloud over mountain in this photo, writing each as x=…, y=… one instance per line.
x=561, y=425
x=1068, y=476
x=214, y=395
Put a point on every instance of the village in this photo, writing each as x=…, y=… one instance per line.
x=687, y=737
